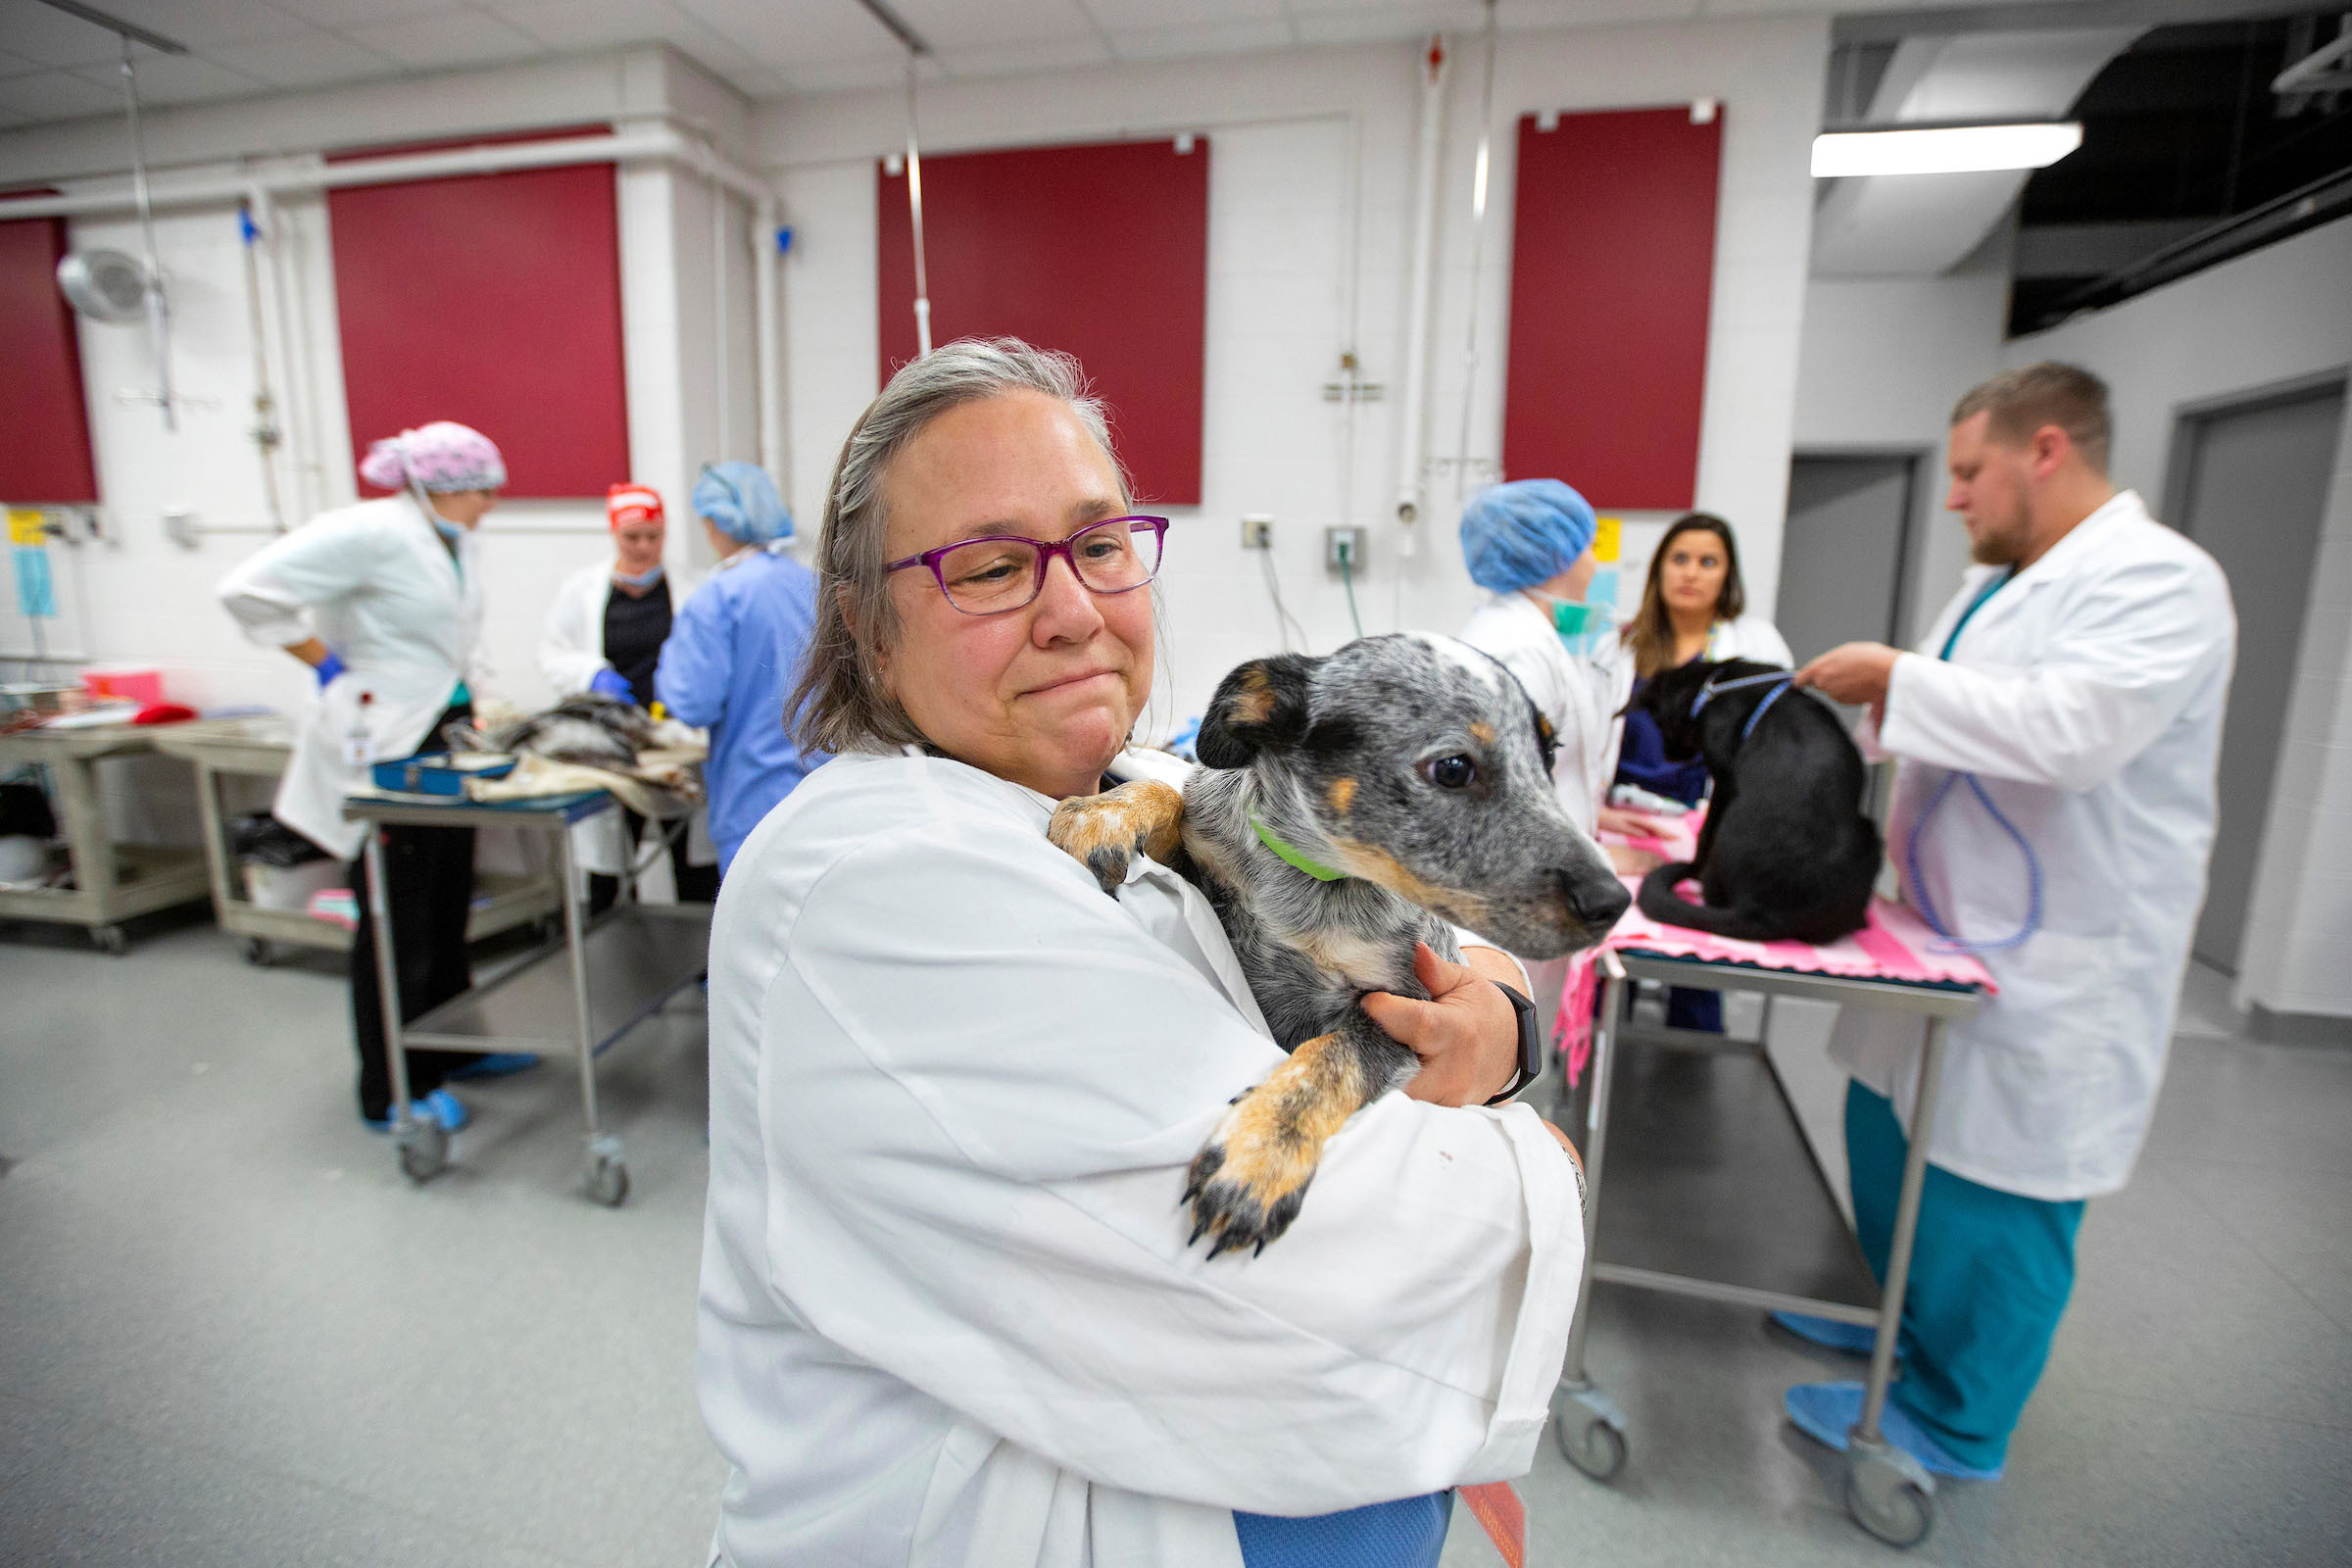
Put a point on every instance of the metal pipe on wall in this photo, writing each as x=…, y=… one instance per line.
x=1412, y=438
x=663, y=144
x=766, y=262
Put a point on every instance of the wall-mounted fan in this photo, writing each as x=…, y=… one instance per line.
x=105, y=285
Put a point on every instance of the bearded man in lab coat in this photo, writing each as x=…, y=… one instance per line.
x=2058, y=733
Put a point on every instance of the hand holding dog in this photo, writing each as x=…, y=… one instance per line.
x=1467, y=1035
x=1853, y=672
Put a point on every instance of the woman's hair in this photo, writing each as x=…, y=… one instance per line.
x=1651, y=633
x=838, y=702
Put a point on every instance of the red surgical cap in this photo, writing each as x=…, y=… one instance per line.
x=625, y=503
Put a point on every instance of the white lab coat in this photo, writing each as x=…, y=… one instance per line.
x=1580, y=696
x=571, y=650
x=375, y=583
x=948, y=1315
x=2086, y=695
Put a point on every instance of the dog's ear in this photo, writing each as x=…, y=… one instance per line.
x=1261, y=704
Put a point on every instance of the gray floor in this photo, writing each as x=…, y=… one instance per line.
x=229, y=1333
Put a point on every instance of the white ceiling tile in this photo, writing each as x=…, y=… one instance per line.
x=1325, y=23
x=793, y=33
x=49, y=38
x=947, y=25
x=1037, y=53
x=57, y=95
x=571, y=24
x=1168, y=16
x=841, y=76
x=311, y=58
x=1201, y=38
x=459, y=39
x=364, y=13
x=177, y=80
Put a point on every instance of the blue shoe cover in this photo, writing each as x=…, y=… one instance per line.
x=440, y=1105
x=498, y=1064
x=1827, y=1413
x=445, y=1109
x=1855, y=1338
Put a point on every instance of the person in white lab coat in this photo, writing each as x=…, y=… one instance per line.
x=949, y=1313
x=383, y=600
x=2067, y=706
x=1529, y=543
x=603, y=634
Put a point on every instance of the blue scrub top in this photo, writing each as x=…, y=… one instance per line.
x=1642, y=760
x=732, y=657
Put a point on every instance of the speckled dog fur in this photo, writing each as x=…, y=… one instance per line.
x=1418, y=766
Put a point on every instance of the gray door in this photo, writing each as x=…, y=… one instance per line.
x=1845, y=555
x=2249, y=483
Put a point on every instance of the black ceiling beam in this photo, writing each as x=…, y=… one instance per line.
x=1886, y=26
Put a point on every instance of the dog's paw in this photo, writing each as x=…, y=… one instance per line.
x=1247, y=1182
x=1106, y=832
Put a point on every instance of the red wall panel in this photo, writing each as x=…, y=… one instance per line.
x=1099, y=251
x=493, y=300
x=44, y=423
x=1612, y=264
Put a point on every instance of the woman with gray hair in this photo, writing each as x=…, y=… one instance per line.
x=949, y=1310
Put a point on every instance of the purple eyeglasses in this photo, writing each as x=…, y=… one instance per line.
x=999, y=573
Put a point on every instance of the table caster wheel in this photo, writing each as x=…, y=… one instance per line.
x=256, y=952
x=608, y=1181
x=111, y=940
x=1591, y=1432
x=1890, y=1493
x=424, y=1149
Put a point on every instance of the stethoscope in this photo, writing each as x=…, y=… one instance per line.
x=1781, y=680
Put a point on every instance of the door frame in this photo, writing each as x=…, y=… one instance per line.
x=2180, y=475
x=1917, y=513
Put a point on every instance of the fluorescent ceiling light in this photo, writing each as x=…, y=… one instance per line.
x=1942, y=149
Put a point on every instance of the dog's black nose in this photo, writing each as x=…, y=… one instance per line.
x=1598, y=901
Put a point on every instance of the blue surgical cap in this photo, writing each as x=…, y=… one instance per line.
x=741, y=502
x=1519, y=534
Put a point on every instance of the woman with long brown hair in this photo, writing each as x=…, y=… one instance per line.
x=1693, y=605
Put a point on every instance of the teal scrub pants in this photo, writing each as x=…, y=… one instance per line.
x=1990, y=1273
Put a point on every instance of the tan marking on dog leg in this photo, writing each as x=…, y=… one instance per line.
x=1482, y=733
x=1248, y=1179
x=1341, y=794
x=1106, y=832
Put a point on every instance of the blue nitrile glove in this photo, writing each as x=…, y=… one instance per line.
x=607, y=683
x=328, y=668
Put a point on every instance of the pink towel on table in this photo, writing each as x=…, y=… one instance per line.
x=1895, y=946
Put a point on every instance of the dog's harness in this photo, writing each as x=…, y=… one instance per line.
x=1784, y=679
x=1314, y=869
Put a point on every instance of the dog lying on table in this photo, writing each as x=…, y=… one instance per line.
x=1785, y=852
x=1348, y=808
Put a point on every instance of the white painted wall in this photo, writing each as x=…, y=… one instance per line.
x=1312, y=162
x=2282, y=313
x=1884, y=361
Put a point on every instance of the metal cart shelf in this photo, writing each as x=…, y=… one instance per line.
x=605, y=979
x=259, y=748
x=113, y=882
x=1709, y=1198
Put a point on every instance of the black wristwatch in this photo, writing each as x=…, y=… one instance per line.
x=1530, y=1043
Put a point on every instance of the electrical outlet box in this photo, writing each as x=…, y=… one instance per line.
x=1257, y=532
x=1347, y=541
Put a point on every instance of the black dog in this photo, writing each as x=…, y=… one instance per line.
x=1785, y=852
x=1348, y=808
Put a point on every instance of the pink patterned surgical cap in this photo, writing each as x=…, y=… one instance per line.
x=441, y=456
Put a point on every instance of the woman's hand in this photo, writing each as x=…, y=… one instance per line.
x=1467, y=1035
x=1617, y=819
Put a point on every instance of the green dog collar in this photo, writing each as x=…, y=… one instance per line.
x=1314, y=869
